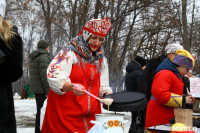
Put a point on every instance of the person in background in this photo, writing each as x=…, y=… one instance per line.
x=39, y=61
x=186, y=89
x=78, y=68
x=134, y=72
x=22, y=94
x=133, y=77
x=11, y=58
x=150, y=71
x=167, y=88
x=186, y=81
x=190, y=75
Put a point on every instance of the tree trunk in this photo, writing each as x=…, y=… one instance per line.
x=97, y=8
x=186, y=42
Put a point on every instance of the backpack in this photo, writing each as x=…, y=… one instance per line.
x=148, y=76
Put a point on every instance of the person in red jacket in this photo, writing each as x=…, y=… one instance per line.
x=167, y=88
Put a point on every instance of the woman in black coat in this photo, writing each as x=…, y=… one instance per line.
x=11, y=70
x=134, y=72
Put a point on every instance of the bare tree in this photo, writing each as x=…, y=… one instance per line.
x=186, y=41
x=139, y=27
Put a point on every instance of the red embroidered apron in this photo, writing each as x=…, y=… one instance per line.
x=69, y=113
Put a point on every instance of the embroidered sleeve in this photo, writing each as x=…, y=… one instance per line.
x=104, y=80
x=59, y=70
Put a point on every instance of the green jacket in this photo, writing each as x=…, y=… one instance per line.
x=39, y=61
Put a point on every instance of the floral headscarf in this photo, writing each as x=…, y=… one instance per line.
x=78, y=45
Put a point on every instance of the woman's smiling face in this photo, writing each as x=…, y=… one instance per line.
x=95, y=42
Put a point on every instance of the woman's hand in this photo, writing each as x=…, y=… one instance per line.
x=78, y=89
x=107, y=93
x=189, y=99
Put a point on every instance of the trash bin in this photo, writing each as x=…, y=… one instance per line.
x=28, y=92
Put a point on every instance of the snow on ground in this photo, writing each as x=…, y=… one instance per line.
x=25, y=111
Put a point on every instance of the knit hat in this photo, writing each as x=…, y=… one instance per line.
x=172, y=48
x=2, y=8
x=184, y=58
x=141, y=61
x=42, y=44
x=98, y=27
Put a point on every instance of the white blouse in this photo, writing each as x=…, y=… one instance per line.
x=60, y=69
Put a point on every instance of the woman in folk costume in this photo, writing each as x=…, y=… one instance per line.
x=81, y=63
x=167, y=88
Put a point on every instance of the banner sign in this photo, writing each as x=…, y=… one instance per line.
x=195, y=87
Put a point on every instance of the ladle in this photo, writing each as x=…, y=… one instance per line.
x=107, y=101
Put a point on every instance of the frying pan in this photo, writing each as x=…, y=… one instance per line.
x=126, y=101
